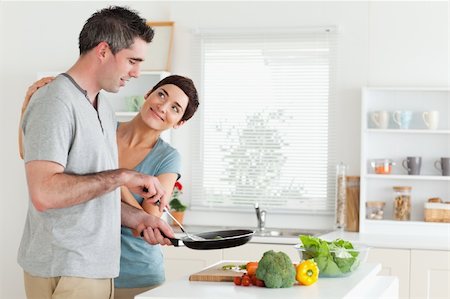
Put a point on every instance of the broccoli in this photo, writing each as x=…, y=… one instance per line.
x=276, y=269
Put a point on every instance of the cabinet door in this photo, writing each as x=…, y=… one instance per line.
x=430, y=274
x=182, y=261
x=395, y=262
x=254, y=252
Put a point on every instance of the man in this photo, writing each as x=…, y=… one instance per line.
x=71, y=242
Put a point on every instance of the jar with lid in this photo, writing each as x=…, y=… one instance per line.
x=375, y=210
x=402, y=202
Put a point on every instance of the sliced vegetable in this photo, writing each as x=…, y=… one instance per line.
x=234, y=267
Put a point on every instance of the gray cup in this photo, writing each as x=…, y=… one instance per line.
x=443, y=165
x=412, y=165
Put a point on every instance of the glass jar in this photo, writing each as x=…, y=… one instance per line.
x=382, y=166
x=375, y=210
x=341, y=196
x=402, y=202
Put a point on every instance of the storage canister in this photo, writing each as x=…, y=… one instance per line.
x=375, y=210
x=402, y=202
x=341, y=196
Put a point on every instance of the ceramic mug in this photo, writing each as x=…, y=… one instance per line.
x=443, y=165
x=412, y=165
x=431, y=119
x=380, y=119
x=402, y=118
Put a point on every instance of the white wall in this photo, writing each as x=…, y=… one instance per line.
x=380, y=44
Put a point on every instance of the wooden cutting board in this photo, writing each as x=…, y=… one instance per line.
x=216, y=273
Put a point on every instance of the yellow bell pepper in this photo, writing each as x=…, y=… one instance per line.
x=307, y=272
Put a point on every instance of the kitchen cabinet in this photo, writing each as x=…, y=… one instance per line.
x=423, y=274
x=397, y=144
x=394, y=262
x=183, y=261
x=430, y=274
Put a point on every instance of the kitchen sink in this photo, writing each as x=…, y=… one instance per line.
x=288, y=233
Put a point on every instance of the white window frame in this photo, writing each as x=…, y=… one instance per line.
x=197, y=182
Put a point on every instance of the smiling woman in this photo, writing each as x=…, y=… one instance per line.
x=169, y=104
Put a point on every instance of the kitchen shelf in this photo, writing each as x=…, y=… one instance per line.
x=397, y=144
x=398, y=131
x=407, y=177
x=408, y=227
x=125, y=114
x=135, y=87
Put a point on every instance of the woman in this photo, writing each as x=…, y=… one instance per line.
x=169, y=104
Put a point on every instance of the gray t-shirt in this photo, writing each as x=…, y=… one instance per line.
x=62, y=126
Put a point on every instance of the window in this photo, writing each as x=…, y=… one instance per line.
x=267, y=120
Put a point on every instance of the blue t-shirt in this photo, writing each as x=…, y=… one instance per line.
x=141, y=264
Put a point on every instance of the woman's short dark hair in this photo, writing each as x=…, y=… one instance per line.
x=116, y=25
x=188, y=87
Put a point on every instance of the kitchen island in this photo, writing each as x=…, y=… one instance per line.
x=363, y=283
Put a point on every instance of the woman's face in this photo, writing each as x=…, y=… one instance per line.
x=164, y=107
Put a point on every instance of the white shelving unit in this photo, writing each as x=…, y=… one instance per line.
x=397, y=144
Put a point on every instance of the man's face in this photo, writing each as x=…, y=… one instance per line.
x=123, y=66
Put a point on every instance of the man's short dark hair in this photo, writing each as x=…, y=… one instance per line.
x=116, y=25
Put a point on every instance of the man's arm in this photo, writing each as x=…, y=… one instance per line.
x=51, y=188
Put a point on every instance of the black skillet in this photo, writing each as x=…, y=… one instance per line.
x=216, y=239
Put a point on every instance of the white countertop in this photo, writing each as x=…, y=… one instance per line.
x=428, y=242
x=363, y=283
x=406, y=241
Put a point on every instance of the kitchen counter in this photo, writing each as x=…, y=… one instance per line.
x=363, y=283
x=289, y=237
x=426, y=242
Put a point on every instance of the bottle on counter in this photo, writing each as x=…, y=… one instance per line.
x=341, y=196
x=402, y=202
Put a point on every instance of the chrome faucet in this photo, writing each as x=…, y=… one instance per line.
x=261, y=217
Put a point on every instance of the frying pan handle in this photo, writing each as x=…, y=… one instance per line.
x=175, y=242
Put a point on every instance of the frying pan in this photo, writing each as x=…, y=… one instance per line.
x=216, y=239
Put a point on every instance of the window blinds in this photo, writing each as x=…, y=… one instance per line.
x=267, y=119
